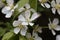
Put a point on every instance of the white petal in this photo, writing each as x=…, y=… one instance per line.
x=27, y=14
x=16, y=23
x=55, y=21
x=57, y=28
x=5, y=9
x=24, y=23
x=39, y=29
x=21, y=18
x=27, y=6
x=31, y=24
x=21, y=9
x=53, y=10
x=10, y=2
x=38, y=38
x=23, y=31
x=15, y=6
x=58, y=12
x=32, y=10
x=58, y=1
x=58, y=37
x=9, y=14
x=53, y=32
x=16, y=30
x=42, y=5
x=34, y=16
x=53, y=3
x=47, y=5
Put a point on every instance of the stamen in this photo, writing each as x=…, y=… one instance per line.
x=57, y=6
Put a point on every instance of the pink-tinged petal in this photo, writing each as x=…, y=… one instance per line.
x=16, y=30
x=58, y=37
x=53, y=10
x=55, y=21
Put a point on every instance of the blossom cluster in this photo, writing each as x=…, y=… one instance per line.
x=26, y=15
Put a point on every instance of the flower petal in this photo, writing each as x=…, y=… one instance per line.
x=21, y=18
x=58, y=12
x=5, y=10
x=57, y=28
x=38, y=38
x=23, y=31
x=31, y=24
x=24, y=23
x=58, y=37
x=16, y=23
x=28, y=35
x=9, y=14
x=53, y=3
x=53, y=10
x=34, y=16
x=21, y=9
x=55, y=21
x=27, y=6
x=53, y=32
x=10, y=2
x=27, y=14
x=42, y=5
x=58, y=1
x=47, y=5
x=16, y=30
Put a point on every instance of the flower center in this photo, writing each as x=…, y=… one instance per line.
x=20, y=26
x=57, y=6
x=43, y=1
x=52, y=26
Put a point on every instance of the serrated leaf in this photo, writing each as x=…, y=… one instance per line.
x=8, y=35
x=33, y=4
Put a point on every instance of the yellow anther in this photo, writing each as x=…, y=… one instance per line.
x=57, y=6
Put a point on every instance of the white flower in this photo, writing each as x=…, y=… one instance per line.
x=58, y=37
x=54, y=26
x=20, y=28
x=9, y=9
x=44, y=3
x=27, y=18
x=55, y=6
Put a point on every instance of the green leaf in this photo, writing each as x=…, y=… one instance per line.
x=33, y=4
x=2, y=31
x=22, y=3
x=8, y=25
x=8, y=35
x=22, y=38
